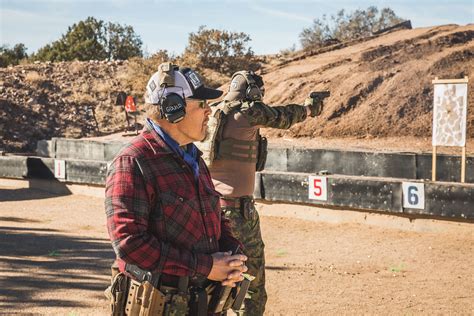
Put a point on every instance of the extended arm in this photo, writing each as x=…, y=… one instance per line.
x=283, y=117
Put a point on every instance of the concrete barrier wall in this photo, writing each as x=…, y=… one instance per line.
x=356, y=163
x=76, y=171
x=371, y=164
x=451, y=200
x=65, y=148
x=14, y=167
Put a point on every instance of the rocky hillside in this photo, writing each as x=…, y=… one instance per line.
x=75, y=99
x=380, y=87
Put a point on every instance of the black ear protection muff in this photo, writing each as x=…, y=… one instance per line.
x=253, y=92
x=172, y=105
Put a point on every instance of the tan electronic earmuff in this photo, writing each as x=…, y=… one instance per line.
x=253, y=92
x=172, y=105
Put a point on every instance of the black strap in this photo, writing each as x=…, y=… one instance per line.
x=183, y=284
x=202, y=302
x=198, y=305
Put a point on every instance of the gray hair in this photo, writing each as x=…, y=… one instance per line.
x=152, y=111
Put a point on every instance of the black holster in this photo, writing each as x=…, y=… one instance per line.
x=198, y=303
x=224, y=298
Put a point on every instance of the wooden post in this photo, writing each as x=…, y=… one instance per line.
x=433, y=165
x=463, y=165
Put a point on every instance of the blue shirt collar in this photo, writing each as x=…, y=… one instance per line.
x=190, y=155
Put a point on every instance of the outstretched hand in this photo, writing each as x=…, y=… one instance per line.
x=314, y=105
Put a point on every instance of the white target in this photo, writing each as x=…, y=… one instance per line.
x=449, y=114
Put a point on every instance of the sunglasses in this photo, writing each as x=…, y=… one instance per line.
x=201, y=103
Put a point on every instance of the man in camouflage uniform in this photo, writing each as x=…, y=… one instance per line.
x=237, y=151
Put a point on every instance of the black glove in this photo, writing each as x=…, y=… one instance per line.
x=315, y=105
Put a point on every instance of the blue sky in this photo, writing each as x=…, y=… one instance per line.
x=272, y=25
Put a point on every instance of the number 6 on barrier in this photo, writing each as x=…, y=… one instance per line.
x=317, y=188
x=413, y=195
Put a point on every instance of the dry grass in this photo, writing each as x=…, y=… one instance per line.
x=102, y=87
x=138, y=72
x=85, y=87
x=82, y=98
x=77, y=67
x=35, y=78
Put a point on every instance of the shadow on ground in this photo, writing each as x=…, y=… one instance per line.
x=24, y=194
x=51, y=261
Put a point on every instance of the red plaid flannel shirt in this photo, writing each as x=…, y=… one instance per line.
x=158, y=217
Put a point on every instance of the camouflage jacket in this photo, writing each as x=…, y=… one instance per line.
x=283, y=117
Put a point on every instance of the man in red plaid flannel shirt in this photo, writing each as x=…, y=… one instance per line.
x=163, y=214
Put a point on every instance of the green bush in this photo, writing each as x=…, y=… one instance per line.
x=222, y=51
x=93, y=39
x=12, y=56
x=343, y=27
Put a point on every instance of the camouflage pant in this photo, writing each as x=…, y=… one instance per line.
x=246, y=228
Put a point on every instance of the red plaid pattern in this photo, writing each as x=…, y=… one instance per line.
x=158, y=217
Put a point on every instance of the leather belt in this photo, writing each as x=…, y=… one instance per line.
x=240, y=204
x=231, y=202
x=160, y=279
x=235, y=202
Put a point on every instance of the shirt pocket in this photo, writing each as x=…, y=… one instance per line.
x=214, y=198
x=182, y=219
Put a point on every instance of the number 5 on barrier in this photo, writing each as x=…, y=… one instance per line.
x=317, y=188
x=413, y=195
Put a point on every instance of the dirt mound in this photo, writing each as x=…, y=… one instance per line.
x=40, y=101
x=380, y=87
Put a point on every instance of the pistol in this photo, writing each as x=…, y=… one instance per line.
x=319, y=95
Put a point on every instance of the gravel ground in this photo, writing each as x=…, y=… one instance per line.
x=55, y=258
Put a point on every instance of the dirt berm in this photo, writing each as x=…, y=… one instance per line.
x=380, y=87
